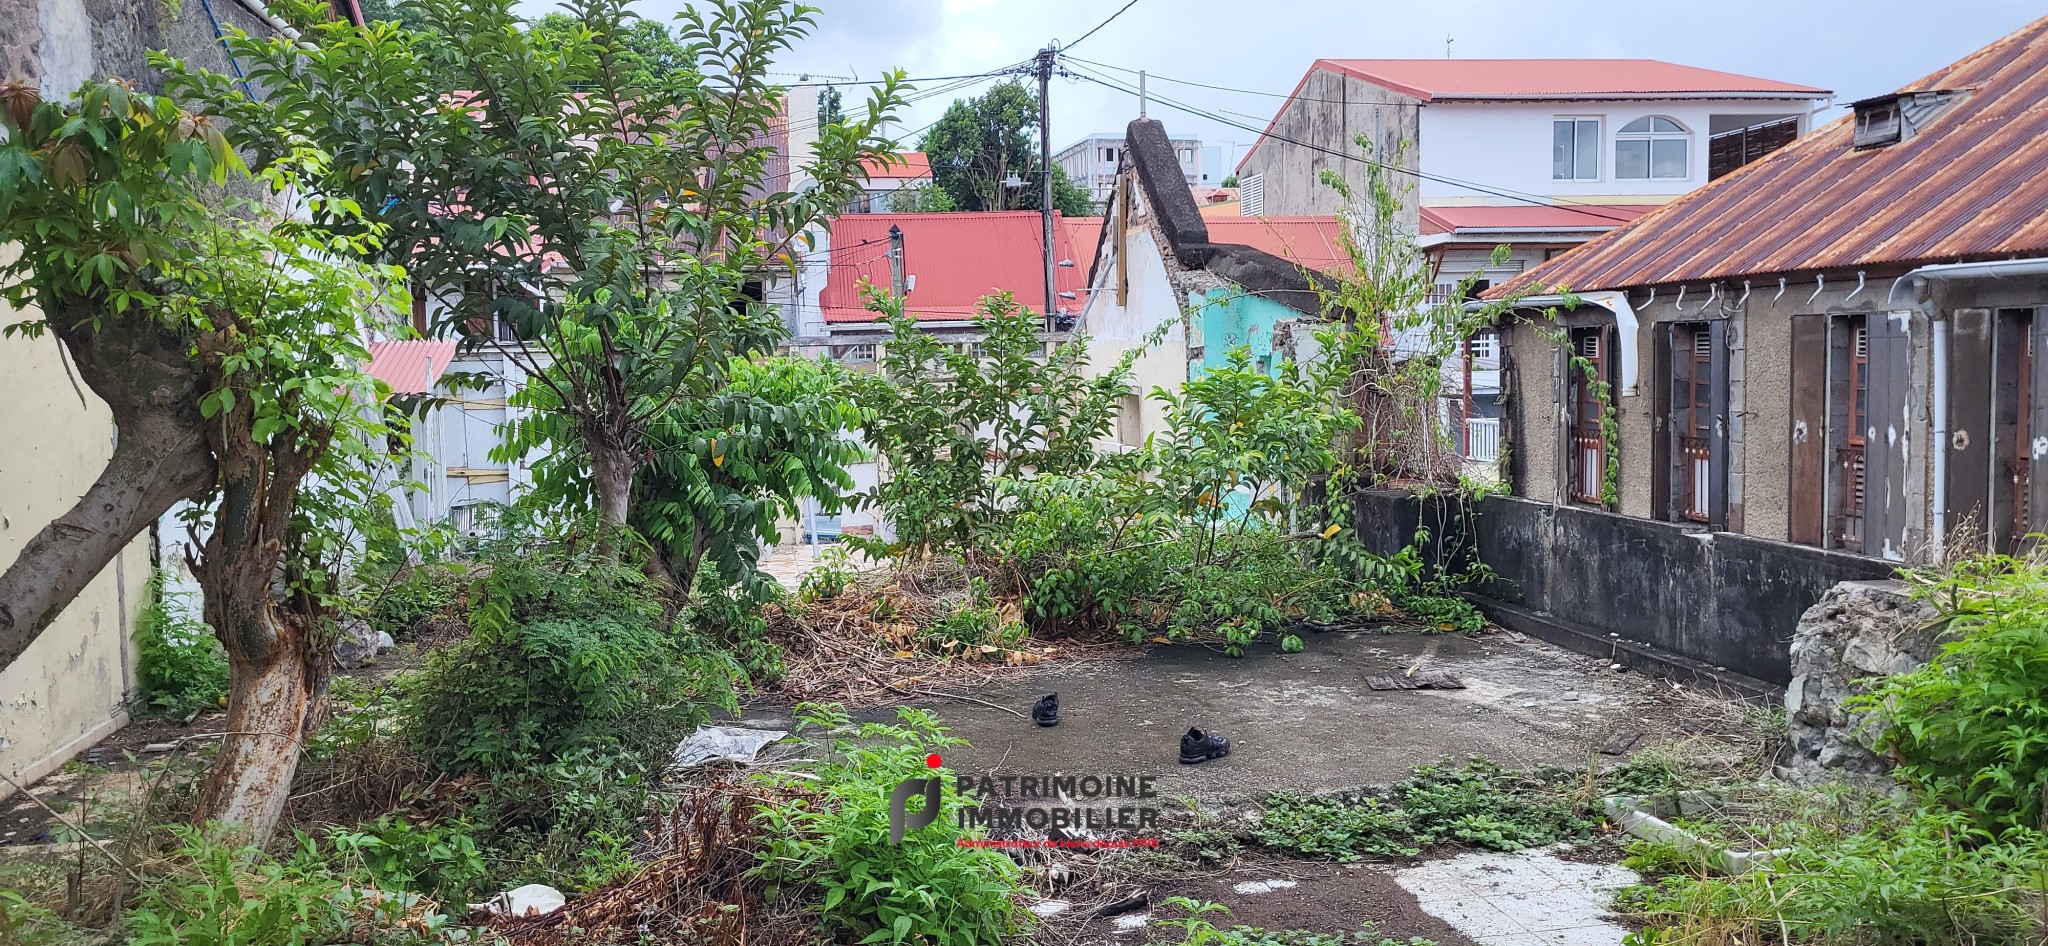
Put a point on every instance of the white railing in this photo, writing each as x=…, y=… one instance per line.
x=1482, y=439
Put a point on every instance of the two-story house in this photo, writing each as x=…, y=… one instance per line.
x=1539, y=155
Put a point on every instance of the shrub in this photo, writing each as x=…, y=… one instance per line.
x=1970, y=729
x=412, y=595
x=570, y=649
x=224, y=896
x=441, y=861
x=926, y=890
x=1918, y=875
x=180, y=664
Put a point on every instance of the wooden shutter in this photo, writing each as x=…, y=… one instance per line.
x=1664, y=395
x=1970, y=440
x=1886, y=519
x=2037, y=427
x=1807, y=490
x=1717, y=464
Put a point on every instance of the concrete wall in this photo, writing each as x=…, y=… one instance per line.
x=1329, y=112
x=1650, y=594
x=1227, y=319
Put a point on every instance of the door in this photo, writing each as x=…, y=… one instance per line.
x=1696, y=423
x=1587, y=454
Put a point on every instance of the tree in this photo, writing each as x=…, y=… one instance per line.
x=1230, y=181
x=925, y=197
x=216, y=321
x=618, y=219
x=982, y=142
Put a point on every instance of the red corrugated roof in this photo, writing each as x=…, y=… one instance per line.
x=1084, y=234
x=1530, y=217
x=909, y=164
x=1973, y=184
x=957, y=258
x=1313, y=242
x=1440, y=79
x=410, y=367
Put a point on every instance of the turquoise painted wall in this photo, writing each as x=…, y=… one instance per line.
x=1229, y=319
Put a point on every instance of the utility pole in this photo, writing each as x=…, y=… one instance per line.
x=1045, y=61
x=896, y=260
x=1141, y=93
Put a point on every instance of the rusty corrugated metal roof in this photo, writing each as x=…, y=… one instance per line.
x=1973, y=184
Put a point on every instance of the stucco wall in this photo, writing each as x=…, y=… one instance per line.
x=1329, y=112
x=1760, y=375
x=1150, y=302
x=71, y=686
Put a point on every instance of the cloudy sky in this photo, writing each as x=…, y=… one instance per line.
x=1855, y=47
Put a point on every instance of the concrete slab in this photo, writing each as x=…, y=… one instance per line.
x=1528, y=898
x=1308, y=722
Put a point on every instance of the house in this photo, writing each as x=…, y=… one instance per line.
x=885, y=178
x=1834, y=346
x=1537, y=154
x=1093, y=162
x=949, y=262
x=1186, y=289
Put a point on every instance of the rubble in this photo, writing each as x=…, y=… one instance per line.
x=1857, y=631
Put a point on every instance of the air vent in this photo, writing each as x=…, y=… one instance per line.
x=1589, y=345
x=1878, y=123
x=1702, y=344
x=1890, y=119
x=1863, y=343
x=1251, y=195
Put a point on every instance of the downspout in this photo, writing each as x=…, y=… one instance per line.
x=1918, y=286
x=261, y=12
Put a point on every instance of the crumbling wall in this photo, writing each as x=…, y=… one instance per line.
x=1858, y=631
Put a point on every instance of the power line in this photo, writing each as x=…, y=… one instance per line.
x=1098, y=27
x=1560, y=203
x=1224, y=88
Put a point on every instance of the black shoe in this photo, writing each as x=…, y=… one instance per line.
x=1199, y=746
x=1046, y=712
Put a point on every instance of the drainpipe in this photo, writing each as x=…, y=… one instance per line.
x=1918, y=292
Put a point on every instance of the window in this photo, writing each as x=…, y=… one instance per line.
x=1878, y=123
x=1485, y=346
x=1588, y=472
x=1575, y=149
x=1652, y=149
x=861, y=352
x=1109, y=154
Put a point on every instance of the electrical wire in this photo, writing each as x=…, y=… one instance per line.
x=1590, y=210
x=1098, y=27
x=1225, y=88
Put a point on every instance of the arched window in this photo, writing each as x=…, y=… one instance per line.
x=1650, y=148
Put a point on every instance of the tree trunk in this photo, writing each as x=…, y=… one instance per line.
x=611, y=477
x=145, y=375
x=274, y=661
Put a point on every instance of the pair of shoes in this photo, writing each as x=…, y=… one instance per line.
x=1046, y=712
x=1199, y=746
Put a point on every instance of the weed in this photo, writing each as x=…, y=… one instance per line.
x=1479, y=804
x=180, y=664
x=1197, y=930
x=926, y=890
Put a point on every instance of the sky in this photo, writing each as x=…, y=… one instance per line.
x=1857, y=49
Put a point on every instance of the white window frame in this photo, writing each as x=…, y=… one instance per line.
x=1683, y=135
x=1599, y=136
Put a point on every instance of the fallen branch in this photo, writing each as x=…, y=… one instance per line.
x=952, y=696
x=89, y=839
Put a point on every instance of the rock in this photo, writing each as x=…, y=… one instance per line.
x=356, y=643
x=1858, y=631
x=160, y=747
x=530, y=900
x=385, y=644
x=1046, y=908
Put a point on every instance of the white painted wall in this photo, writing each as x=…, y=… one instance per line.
x=1506, y=146
x=1113, y=329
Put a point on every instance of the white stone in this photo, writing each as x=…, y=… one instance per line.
x=1045, y=908
x=1263, y=886
x=1131, y=921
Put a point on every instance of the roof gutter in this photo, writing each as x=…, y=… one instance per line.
x=1916, y=282
x=1625, y=323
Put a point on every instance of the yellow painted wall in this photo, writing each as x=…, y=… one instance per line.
x=72, y=685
